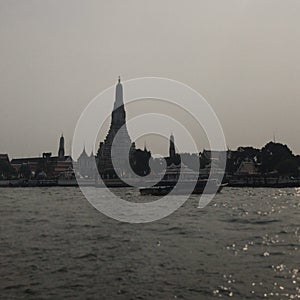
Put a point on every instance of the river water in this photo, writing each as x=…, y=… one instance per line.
x=243, y=245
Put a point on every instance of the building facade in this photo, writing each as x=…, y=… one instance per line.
x=50, y=166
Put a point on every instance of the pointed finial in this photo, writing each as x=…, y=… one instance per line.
x=119, y=79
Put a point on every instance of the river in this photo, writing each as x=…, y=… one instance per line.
x=243, y=245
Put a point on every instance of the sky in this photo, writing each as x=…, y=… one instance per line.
x=242, y=56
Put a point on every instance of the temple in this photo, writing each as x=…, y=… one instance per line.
x=61, y=149
x=86, y=165
x=172, y=152
x=121, y=145
x=173, y=158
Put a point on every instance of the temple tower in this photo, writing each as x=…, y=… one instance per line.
x=117, y=125
x=61, y=149
x=172, y=152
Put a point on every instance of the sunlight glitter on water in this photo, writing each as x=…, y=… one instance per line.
x=243, y=245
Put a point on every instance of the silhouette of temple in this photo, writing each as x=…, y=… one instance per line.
x=121, y=145
x=86, y=164
x=61, y=149
x=173, y=158
x=172, y=152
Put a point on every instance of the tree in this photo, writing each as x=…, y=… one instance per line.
x=140, y=162
x=6, y=170
x=272, y=154
x=287, y=167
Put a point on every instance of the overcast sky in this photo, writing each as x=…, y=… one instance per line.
x=243, y=56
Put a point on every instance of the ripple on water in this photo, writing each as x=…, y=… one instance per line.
x=243, y=245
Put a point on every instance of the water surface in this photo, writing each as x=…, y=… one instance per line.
x=243, y=245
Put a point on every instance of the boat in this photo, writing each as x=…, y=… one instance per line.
x=181, y=180
x=209, y=186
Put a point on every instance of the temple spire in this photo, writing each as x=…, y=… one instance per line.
x=172, y=152
x=123, y=143
x=61, y=149
x=119, y=94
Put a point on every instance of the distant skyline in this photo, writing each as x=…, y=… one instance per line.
x=241, y=55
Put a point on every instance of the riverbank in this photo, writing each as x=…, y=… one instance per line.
x=264, y=181
x=234, y=181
